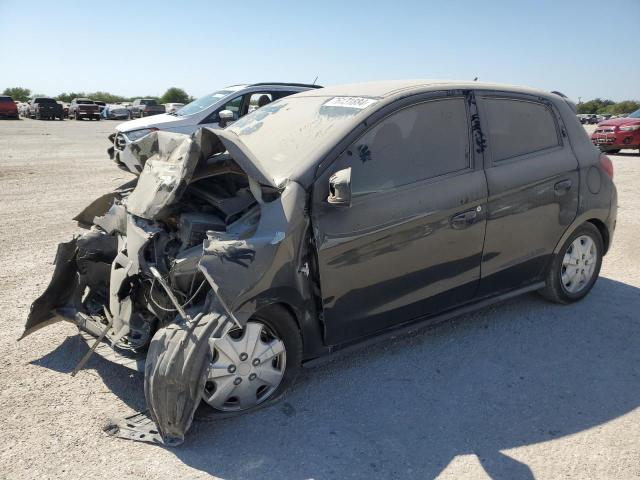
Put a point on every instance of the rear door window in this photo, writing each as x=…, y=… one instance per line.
x=518, y=127
x=416, y=143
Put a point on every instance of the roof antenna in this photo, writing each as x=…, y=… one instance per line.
x=315, y=80
x=475, y=79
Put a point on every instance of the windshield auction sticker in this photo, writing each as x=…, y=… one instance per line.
x=350, y=102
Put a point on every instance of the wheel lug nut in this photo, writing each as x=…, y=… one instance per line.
x=252, y=376
x=231, y=369
x=237, y=381
x=255, y=362
x=243, y=356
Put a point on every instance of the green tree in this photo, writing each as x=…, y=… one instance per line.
x=18, y=93
x=67, y=97
x=175, y=95
x=106, y=97
x=594, y=106
x=626, y=106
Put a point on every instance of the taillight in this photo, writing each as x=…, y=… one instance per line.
x=607, y=166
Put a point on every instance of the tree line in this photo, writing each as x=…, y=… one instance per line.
x=172, y=95
x=598, y=105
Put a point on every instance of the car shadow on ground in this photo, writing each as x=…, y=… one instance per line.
x=518, y=373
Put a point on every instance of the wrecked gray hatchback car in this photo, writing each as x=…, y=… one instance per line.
x=318, y=221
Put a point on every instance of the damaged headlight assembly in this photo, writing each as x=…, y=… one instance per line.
x=138, y=134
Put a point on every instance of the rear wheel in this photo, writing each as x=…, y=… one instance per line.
x=575, y=269
x=253, y=366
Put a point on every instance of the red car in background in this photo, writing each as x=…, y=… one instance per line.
x=614, y=134
x=8, y=107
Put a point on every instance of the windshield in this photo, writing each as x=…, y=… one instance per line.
x=289, y=135
x=44, y=100
x=148, y=102
x=635, y=114
x=84, y=102
x=202, y=103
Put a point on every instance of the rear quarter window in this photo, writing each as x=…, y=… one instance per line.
x=519, y=127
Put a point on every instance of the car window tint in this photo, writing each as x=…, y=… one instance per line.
x=517, y=127
x=416, y=143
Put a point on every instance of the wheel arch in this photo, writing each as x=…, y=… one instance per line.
x=599, y=221
x=604, y=232
x=301, y=311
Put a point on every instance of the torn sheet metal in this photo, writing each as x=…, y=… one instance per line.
x=174, y=262
x=101, y=205
x=139, y=427
x=244, y=267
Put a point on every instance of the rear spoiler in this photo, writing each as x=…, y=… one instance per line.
x=571, y=103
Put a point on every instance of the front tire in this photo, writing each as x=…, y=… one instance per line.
x=575, y=269
x=240, y=381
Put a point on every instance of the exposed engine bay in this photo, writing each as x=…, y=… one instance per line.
x=173, y=257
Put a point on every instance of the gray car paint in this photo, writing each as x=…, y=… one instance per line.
x=297, y=250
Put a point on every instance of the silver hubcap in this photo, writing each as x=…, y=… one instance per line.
x=247, y=367
x=579, y=263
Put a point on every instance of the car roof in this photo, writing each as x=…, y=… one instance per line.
x=273, y=84
x=391, y=88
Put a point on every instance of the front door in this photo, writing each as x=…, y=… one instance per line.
x=410, y=244
x=532, y=176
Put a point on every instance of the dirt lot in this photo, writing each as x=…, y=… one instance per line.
x=519, y=390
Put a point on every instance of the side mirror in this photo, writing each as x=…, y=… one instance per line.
x=340, y=188
x=224, y=117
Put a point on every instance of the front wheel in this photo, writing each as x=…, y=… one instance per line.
x=575, y=269
x=253, y=366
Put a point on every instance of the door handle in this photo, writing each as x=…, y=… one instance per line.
x=464, y=219
x=562, y=187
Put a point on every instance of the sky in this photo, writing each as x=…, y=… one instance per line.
x=583, y=48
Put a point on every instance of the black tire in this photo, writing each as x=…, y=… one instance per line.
x=280, y=321
x=76, y=116
x=612, y=152
x=555, y=290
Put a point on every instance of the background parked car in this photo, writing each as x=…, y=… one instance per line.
x=45, y=108
x=613, y=135
x=232, y=102
x=8, y=107
x=84, y=108
x=115, y=111
x=172, y=107
x=101, y=105
x=144, y=107
x=65, y=109
x=23, y=109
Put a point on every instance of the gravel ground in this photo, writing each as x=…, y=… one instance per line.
x=518, y=390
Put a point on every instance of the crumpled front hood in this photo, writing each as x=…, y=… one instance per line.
x=170, y=160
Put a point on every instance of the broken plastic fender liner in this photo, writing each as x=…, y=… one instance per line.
x=60, y=289
x=174, y=374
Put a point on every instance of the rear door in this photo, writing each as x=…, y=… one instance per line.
x=533, y=181
x=410, y=244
